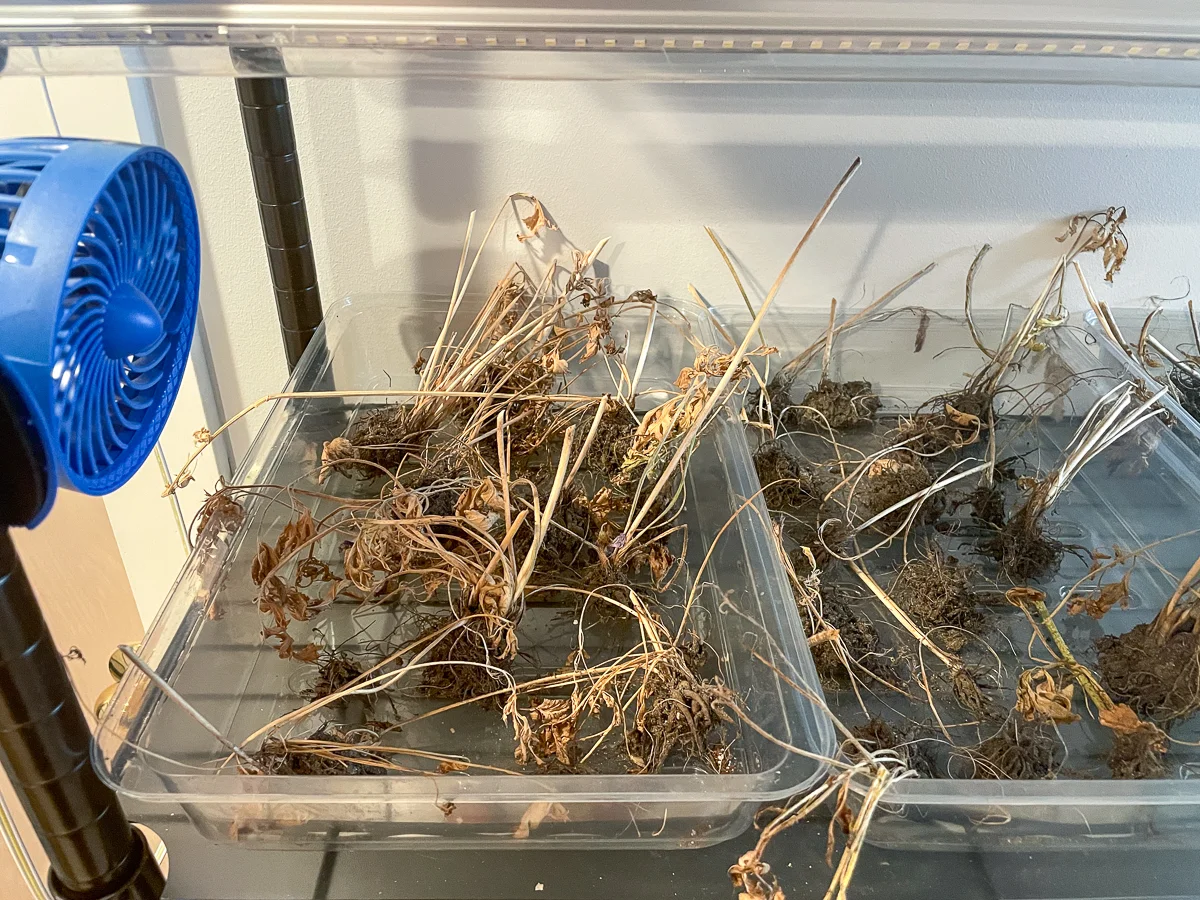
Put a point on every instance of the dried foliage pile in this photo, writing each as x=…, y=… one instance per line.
x=494, y=487
x=498, y=488
x=916, y=537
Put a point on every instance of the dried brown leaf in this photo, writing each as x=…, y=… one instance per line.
x=1040, y=697
x=1123, y=720
x=265, y=560
x=296, y=534
x=661, y=561
x=536, y=221
x=1098, y=604
x=307, y=653
x=537, y=813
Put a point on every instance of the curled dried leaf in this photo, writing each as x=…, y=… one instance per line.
x=1040, y=697
x=1099, y=603
x=661, y=561
x=306, y=653
x=296, y=534
x=1123, y=720
x=265, y=560
x=201, y=437
x=537, y=220
x=338, y=450
x=222, y=513
x=1020, y=596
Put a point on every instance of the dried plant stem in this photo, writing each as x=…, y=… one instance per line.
x=1103, y=315
x=829, y=333
x=801, y=359
x=601, y=409
x=950, y=662
x=1144, y=335
x=717, y=395
x=1167, y=620
x=970, y=288
x=1083, y=677
x=542, y=519
x=844, y=874
x=637, y=372
x=455, y=298
x=712, y=235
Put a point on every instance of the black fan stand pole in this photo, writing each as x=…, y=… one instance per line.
x=95, y=854
x=275, y=167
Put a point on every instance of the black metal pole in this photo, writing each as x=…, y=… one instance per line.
x=94, y=852
x=45, y=742
x=271, y=142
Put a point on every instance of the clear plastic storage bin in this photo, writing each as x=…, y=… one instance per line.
x=1171, y=329
x=208, y=643
x=1146, y=488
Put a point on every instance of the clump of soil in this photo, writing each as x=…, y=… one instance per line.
x=1020, y=751
x=936, y=591
x=1022, y=548
x=383, y=437
x=876, y=734
x=334, y=672
x=858, y=636
x=987, y=505
x=957, y=421
x=895, y=478
x=1159, y=679
x=569, y=543
x=836, y=405
x=452, y=681
x=787, y=483
x=613, y=442
x=1138, y=755
x=778, y=394
x=823, y=538
x=277, y=756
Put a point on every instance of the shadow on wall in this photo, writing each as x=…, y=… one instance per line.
x=400, y=164
x=393, y=168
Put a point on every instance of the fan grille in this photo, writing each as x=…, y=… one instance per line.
x=20, y=166
x=109, y=409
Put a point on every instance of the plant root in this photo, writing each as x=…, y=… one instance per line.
x=1159, y=680
x=936, y=592
x=1020, y=751
x=1022, y=548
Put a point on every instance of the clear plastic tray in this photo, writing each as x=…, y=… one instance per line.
x=1142, y=491
x=1173, y=328
x=207, y=643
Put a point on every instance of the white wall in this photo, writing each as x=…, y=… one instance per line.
x=392, y=170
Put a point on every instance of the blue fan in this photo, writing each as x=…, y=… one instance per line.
x=99, y=280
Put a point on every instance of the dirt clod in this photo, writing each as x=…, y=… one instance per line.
x=1159, y=679
x=1137, y=755
x=1019, y=751
x=936, y=592
x=836, y=405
